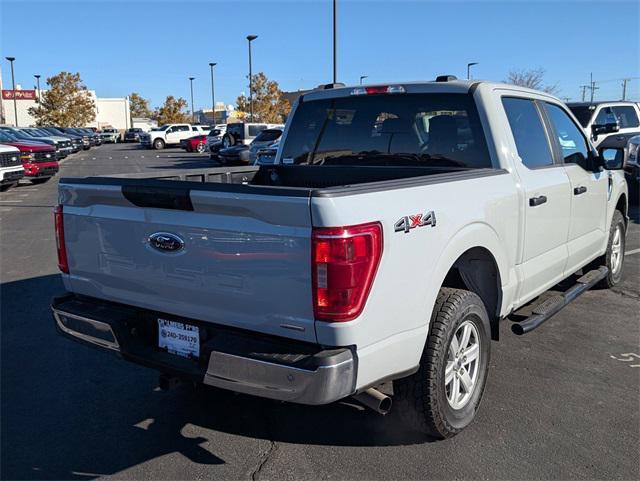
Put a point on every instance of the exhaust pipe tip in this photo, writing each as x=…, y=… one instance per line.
x=517, y=329
x=375, y=400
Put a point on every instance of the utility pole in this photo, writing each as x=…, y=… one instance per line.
x=593, y=87
x=469, y=65
x=193, y=113
x=251, y=38
x=335, y=46
x=13, y=86
x=38, y=81
x=213, y=96
x=584, y=90
x=624, y=88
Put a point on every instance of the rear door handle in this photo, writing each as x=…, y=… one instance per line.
x=534, y=201
x=579, y=190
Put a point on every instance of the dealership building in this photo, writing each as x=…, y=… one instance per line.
x=110, y=112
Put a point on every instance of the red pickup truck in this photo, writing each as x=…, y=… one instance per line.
x=38, y=159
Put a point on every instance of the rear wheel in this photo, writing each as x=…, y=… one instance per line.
x=158, y=144
x=443, y=396
x=228, y=140
x=200, y=148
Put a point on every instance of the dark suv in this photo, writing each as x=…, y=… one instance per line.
x=133, y=135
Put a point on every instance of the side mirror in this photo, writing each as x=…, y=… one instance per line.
x=611, y=159
x=608, y=128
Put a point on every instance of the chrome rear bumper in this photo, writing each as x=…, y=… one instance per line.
x=325, y=376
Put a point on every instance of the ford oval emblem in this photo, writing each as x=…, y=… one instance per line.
x=166, y=242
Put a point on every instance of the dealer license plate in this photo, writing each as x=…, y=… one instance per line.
x=179, y=338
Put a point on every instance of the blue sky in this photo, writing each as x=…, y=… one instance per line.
x=152, y=47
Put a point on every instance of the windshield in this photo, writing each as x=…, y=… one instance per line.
x=583, y=113
x=164, y=127
x=6, y=136
x=406, y=129
x=18, y=134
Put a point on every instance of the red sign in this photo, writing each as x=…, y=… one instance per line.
x=19, y=94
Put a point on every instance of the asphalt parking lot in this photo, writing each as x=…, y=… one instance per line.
x=560, y=403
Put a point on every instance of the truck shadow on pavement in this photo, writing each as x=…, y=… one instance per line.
x=71, y=412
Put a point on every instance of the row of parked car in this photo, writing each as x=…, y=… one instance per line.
x=33, y=153
x=240, y=143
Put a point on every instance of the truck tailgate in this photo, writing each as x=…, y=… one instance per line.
x=245, y=259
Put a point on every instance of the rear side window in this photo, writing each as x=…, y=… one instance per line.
x=570, y=139
x=627, y=116
x=605, y=116
x=236, y=131
x=268, y=135
x=436, y=130
x=528, y=132
x=256, y=129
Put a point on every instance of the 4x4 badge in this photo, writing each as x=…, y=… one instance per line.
x=406, y=223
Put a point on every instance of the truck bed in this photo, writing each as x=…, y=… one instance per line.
x=290, y=180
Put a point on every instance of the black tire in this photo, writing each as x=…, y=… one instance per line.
x=158, y=144
x=421, y=398
x=201, y=147
x=615, y=275
x=40, y=180
x=228, y=140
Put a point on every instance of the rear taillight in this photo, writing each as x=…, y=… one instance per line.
x=345, y=260
x=63, y=265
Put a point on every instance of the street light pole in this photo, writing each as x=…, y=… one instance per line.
x=250, y=38
x=469, y=65
x=38, y=82
x=362, y=77
x=193, y=113
x=13, y=86
x=213, y=95
x=335, y=39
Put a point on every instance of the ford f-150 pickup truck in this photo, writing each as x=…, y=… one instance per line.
x=398, y=226
x=11, y=170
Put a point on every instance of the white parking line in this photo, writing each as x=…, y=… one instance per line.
x=11, y=201
x=630, y=253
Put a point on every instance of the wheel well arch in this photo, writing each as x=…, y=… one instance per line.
x=622, y=206
x=476, y=270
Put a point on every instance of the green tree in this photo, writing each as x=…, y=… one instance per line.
x=66, y=103
x=139, y=106
x=531, y=78
x=268, y=103
x=172, y=111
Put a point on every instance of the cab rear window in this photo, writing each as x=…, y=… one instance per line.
x=400, y=129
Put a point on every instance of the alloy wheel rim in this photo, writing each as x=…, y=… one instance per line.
x=616, y=251
x=462, y=365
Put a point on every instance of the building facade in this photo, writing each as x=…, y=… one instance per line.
x=110, y=112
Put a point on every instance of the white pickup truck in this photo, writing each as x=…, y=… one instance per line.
x=170, y=135
x=11, y=170
x=399, y=225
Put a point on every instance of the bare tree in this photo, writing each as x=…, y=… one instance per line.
x=531, y=78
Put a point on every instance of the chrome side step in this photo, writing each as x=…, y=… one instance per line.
x=550, y=307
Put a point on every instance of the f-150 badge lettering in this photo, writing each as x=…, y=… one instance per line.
x=406, y=223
